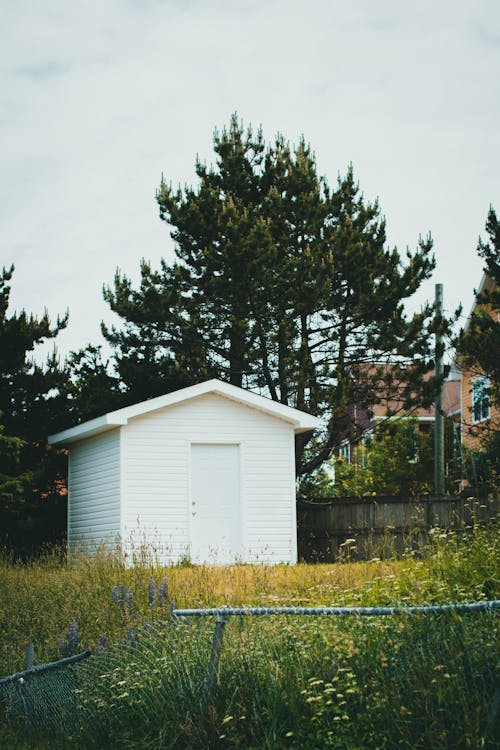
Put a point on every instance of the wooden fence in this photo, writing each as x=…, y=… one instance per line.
x=361, y=528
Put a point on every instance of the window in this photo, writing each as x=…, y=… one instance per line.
x=480, y=399
x=345, y=451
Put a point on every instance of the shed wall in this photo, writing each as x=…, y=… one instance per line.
x=94, y=489
x=156, y=451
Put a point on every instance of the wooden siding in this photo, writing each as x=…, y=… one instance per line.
x=474, y=434
x=156, y=476
x=94, y=490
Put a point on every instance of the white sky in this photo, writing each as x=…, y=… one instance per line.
x=99, y=98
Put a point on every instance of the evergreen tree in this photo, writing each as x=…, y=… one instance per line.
x=479, y=351
x=14, y=483
x=92, y=389
x=193, y=320
x=32, y=405
x=280, y=285
x=479, y=347
x=29, y=392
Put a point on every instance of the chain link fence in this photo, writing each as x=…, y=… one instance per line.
x=295, y=677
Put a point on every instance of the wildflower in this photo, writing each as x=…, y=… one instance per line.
x=115, y=597
x=66, y=648
x=348, y=542
x=163, y=590
x=151, y=591
x=130, y=601
x=73, y=636
x=102, y=642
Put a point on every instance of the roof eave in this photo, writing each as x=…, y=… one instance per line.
x=86, y=430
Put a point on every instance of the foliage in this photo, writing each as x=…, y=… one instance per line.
x=478, y=347
x=92, y=389
x=280, y=284
x=39, y=599
x=14, y=483
x=397, y=459
x=294, y=683
x=32, y=404
x=480, y=343
x=297, y=684
x=30, y=393
x=482, y=467
x=317, y=484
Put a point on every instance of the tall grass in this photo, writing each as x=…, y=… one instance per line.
x=282, y=684
x=419, y=682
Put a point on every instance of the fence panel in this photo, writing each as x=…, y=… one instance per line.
x=380, y=525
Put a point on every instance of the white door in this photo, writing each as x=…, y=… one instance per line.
x=215, y=503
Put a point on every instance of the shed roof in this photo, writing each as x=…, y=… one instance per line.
x=300, y=421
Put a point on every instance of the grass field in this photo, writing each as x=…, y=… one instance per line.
x=398, y=682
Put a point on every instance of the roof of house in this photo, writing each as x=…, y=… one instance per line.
x=487, y=285
x=391, y=398
x=451, y=404
x=301, y=421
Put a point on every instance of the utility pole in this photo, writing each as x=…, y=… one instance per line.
x=438, y=403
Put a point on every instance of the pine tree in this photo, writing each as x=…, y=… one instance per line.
x=480, y=345
x=32, y=405
x=92, y=388
x=479, y=350
x=280, y=284
x=29, y=392
x=14, y=483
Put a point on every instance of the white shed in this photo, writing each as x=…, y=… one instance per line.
x=208, y=472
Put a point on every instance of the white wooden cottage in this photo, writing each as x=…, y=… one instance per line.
x=208, y=472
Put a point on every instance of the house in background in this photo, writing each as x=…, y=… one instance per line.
x=206, y=472
x=479, y=415
x=389, y=405
x=466, y=403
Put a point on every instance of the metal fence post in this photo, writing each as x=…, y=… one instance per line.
x=220, y=623
x=30, y=656
x=25, y=687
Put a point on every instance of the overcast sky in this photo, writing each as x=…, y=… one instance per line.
x=99, y=98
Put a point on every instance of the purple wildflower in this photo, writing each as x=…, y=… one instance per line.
x=151, y=591
x=130, y=601
x=102, y=642
x=163, y=590
x=131, y=635
x=122, y=591
x=70, y=646
x=73, y=637
x=115, y=596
